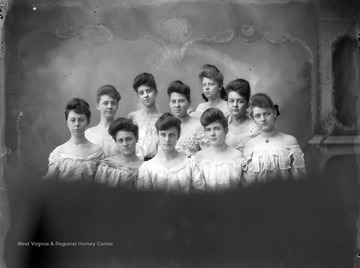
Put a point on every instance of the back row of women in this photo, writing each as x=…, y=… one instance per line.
x=228, y=141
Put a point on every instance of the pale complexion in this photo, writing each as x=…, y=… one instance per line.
x=211, y=91
x=240, y=123
x=179, y=105
x=148, y=112
x=167, y=156
x=269, y=136
x=107, y=107
x=126, y=141
x=78, y=145
x=218, y=150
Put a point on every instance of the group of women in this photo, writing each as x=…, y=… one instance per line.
x=228, y=141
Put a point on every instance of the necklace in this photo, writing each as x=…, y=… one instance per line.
x=267, y=139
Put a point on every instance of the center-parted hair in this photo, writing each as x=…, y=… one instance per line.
x=78, y=106
x=123, y=124
x=213, y=73
x=241, y=87
x=179, y=87
x=144, y=79
x=212, y=115
x=108, y=90
x=262, y=100
x=166, y=121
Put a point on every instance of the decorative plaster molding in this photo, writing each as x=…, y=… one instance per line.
x=329, y=33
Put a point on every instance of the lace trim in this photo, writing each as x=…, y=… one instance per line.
x=149, y=165
x=55, y=155
x=114, y=177
x=64, y=166
x=269, y=158
x=199, y=161
x=106, y=142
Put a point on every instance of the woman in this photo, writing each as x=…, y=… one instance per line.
x=272, y=154
x=169, y=170
x=241, y=126
x=145, y=87
x=78, y=158
x=213, y=92
x=218, y=167
x=192, y=134
x=121, y=169
x=107, y=102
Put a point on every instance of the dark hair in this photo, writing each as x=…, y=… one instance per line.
x=212, y=115
x=166, y=121
x=240, y=86
x=78, y=106
x=144, y=79
x=262, y=100
x=213, y=73
x=123, y=124
x=179, y=87
x=108, y=90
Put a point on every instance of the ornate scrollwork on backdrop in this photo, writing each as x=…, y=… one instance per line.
x=175, y=28
x=97, y=35
x=248, y=33
x=221, y=33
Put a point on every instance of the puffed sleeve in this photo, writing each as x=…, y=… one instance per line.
x=54, y=166
x=297, y=169
x=144, y=178
x=197, y=180
x=249, y=176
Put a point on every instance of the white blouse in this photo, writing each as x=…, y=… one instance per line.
x=148, y=139
x=265, y=164
x=106, y=142
x=116, y=177
x=159, y=178
x=191, y=143
x=238, y=141
x=70, y=168
x=214, y=176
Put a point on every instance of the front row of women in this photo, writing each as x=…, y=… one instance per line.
x=271, y=155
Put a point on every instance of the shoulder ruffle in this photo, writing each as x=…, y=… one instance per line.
x=275, y=157
x=217, y=175
x=154, y=177
x=106, y=142
x=116, y=177
x=73, y=168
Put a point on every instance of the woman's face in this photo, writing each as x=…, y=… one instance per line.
x=168, y=139
x=107, y=106
x=147, y=95
x=237, y=104
x=215, y=133
x=210, y=88
x=126, y=141
x=77, y=123
x=264, y=118
x=178, y=105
